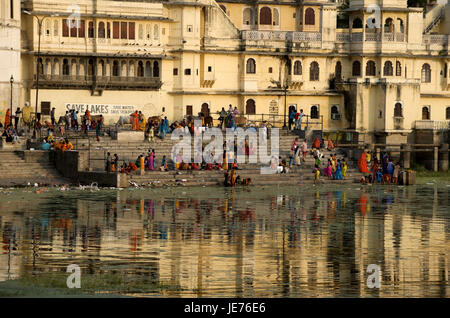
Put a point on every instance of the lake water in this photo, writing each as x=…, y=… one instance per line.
x=298, y=241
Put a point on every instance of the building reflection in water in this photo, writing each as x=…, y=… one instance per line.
x=240, y=243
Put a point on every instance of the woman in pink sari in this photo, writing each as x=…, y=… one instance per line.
x=328, y=170
x=151, y=162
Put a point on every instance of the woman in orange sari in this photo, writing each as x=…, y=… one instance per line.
x=7, y=118
x=362, y=163
x=330, y=145
x=135, y=120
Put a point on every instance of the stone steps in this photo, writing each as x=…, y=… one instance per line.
x=15, y=171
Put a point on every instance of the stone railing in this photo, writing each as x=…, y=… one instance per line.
x=357, y=36
x=373, y=37
x=342, y=37
x=282, y=36
x=432, y=124
x=389, y=37
x=106, y=81
x=441, y=39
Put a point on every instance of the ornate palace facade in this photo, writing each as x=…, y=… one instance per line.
x=375, y=67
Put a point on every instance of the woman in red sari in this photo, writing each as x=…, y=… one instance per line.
x=375, y=169
x=362, y=163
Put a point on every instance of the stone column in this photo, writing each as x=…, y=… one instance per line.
x=406, y=155
x=443, y=158
x=378, y=154
x=436, y=159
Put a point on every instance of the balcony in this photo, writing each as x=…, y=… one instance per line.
x=355, y=37
x=311, y=38
x=437, y=125
x=98, y=82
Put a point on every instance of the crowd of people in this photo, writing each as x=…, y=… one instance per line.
x=384, y=172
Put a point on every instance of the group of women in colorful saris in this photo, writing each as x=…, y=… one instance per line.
x=138, y=121
x=62, y=144
x=336, y=168
x=384, y=172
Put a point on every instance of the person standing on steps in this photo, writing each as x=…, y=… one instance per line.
x=52, y=116
x=298, y=121
x=291, y=118
x=108, y=163
x=223, y=113
x=98, y=128
x=304, y=149
x=17, y=117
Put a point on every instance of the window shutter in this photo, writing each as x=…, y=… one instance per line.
x=123, y=31
x=115, y=30
x=131, y=30
x=81, y=33
x=65, y=28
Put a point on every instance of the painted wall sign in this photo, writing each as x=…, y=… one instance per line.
x=104, y=109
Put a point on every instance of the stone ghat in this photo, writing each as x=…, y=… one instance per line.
x=216, y=177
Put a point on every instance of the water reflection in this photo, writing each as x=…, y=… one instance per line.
x=255, y=242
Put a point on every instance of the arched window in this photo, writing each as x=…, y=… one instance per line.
x=426, y=73
x=101, y=30
x=250, y=107
x=155, y=69
x=115, y=70
x=425, y=113
x=389, y=26
x=447, y=113
x=335, y=112
x=314, y=114
x=334, y=109
x=40, y=67
x=148, y=69
x=124, y=69
x=338, y=70
x=276, y=17
x=247, y=16
x=298, y=68
x=55, y=67
x=314, y=71
x=310, y=17
x=251, y=66
x=357, y=24
x=140, y=70
x=356, y=68
x=73, y=67
x=398, y=112
x=388, y=69
x=398, y=68
x=265, y=16
x=90, y=67
x=371, y=68
x=66, y=68
x=402, y=27
x=91, y=29
x=48, y=67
